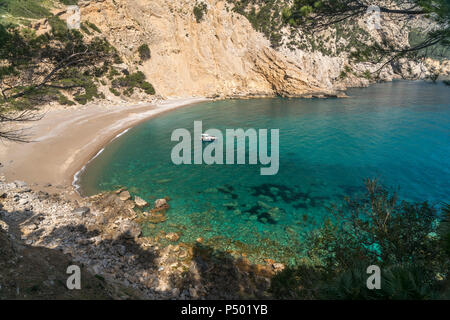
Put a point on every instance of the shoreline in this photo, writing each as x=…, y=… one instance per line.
x=60, y=152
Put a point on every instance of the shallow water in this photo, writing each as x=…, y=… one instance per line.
x=397, y=132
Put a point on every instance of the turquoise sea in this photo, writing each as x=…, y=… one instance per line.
x=397, y=132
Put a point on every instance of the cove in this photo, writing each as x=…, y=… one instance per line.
x=214, y=152
x=397, y=132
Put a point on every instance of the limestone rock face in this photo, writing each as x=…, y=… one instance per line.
x=220, y=56
x=223, y=56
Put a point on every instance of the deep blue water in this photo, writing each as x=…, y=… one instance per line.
x=397, y=132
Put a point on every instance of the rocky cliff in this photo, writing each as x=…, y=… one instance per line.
x=209, y=48
x=220, y=55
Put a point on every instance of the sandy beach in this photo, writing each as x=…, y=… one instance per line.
x=65, y=140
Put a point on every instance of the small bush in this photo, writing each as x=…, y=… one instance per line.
x=24, y=8
x=85, y=29
x=69, y=2
x=135, y=80
x=93, y=27
x=113, y=73
x=59, y=27
x=200, y=10
x=65, y=101
x=90, y=91
x=144, y=52
x=114, y=92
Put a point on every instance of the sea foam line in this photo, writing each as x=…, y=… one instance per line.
x=76, y=176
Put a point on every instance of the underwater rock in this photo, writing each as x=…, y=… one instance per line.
x=265, y=198
x=120, y=190
x=124, y=196
x=276, y=212
x=140, y=202
x=231, y=205
x=172, y=236
x=157, y=218
x=264, y=205
x=163, y=181
x=228, y=190
x=161, y=203
x=274, y=190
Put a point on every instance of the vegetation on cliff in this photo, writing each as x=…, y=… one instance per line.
x=319, y=15
x=410, y=29
x=61, y=65
x=200, y=9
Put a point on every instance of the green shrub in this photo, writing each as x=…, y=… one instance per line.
x=24, y=8
x=144, y=52
x=200, y=9
x=114, y=92
x=85, y=29
x=90, y=89
x=93, y=27
x=135, y=80
x=59, y=27
x=113, y=73
x=69, y=2
x=367, y=74
x=65, y=101
x=148, y=88
x=128, y=92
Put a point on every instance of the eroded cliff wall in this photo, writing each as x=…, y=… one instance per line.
x=219, y=56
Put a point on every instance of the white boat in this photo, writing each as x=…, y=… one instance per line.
x=208, y=138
